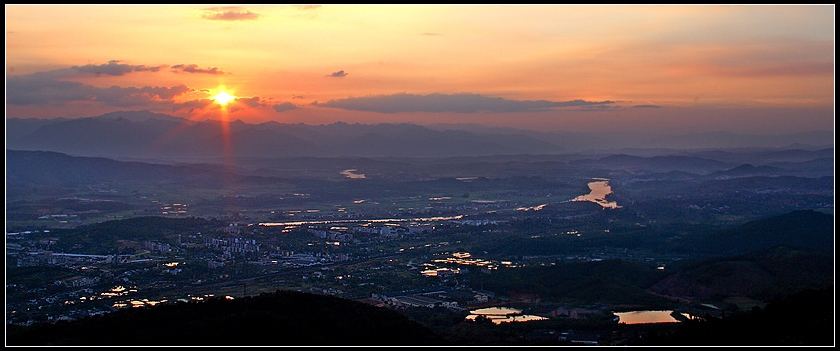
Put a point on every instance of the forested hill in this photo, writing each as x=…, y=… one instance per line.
x=282, y=318
x=806, y=318
x=803, y=228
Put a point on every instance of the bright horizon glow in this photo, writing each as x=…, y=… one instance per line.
x=645, y=68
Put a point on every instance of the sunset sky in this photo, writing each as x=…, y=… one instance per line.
x=757, y=69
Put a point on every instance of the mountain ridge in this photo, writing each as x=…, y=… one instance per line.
x=126, y=134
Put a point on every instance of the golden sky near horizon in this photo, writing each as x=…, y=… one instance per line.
x=752, y=68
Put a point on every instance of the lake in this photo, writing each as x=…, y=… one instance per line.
x=501, y=315
x=349, y=174
x=644, y=317
x=599, y=190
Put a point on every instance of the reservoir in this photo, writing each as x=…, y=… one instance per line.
x=499, y=315
x=643, y=317
x=349, y=174
x=599, y=189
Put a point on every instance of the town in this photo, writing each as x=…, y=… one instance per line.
x=581, y=248
x=358, y=261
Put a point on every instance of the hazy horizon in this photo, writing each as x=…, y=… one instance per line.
x=635, y=68
x=472, y=126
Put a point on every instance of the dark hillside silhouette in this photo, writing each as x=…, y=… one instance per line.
x=802, y=319
x=282, y=318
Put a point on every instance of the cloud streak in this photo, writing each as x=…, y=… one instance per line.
x=229, y=13
x=193, y=68
x=803, y=69
x=338, y=74
x=115, y=68
x=458, y=103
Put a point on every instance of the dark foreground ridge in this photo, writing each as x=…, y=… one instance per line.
x=282, y=318
x=289, y=318
x=802, y=319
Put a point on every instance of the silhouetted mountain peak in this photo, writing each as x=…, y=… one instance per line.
x=150, y=135
x=138, y=116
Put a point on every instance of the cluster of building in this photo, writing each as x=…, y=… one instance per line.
x=334, y=234
x=77, y=281
x=290, y=258
x=28, y=258
x=230, y=246
x=456, y=299
x=157, y=246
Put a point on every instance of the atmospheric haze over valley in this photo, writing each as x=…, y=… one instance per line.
x=419, y=175
x=430, y=222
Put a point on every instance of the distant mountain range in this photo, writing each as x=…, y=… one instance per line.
x=46, y=168
x=147, y=135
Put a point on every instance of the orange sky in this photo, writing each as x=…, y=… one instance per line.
x=673, y=68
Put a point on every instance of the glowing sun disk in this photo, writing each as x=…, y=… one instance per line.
x=223, y=98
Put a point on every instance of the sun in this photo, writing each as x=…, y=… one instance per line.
x=223, y=98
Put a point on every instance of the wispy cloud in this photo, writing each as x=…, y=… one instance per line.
x=305, y=11
x=286, y=106
x=802, y=69
x=458, y=103
x=245, y=102
x=431, y=34
x=193, y=68
x=646, y=106
x=229, y=13
x=250, y=102
x=53, y=88
x=115, y=68
x=34, y=90
x=338, y=74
